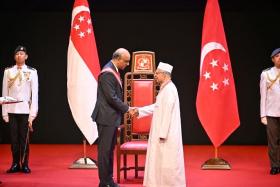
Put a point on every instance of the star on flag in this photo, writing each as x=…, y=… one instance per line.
x=216, y=74
x=81, y=27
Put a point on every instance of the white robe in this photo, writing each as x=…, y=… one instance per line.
x=164, y=160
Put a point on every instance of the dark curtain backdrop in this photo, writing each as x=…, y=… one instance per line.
x=172, y=29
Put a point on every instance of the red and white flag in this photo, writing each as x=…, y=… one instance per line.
x=82, y=70
x=216, y=101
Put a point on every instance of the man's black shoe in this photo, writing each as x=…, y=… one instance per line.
x=274, y=170
x=112, y=185
x=14, y=168
x=26, y=169
x=116, y=185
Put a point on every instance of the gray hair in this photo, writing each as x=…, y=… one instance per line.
x=166, y=73
x=119, y=52
x=116, y=55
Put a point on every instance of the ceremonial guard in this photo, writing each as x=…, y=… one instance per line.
x=20, y=82
x=270, y=110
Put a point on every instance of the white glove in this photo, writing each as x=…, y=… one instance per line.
x=6, y=119
x=30, y=119
x=264, y=120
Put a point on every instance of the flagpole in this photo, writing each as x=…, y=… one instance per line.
x=84, y=162
x=85, y=150
x=87, y=63
x=216, y=152
x=216, y=163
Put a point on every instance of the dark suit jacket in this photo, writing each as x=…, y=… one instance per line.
x=109, y=106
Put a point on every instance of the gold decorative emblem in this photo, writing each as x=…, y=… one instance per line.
x=143, y=61
x=12, y=79
x=271, y=80
x=27, y=75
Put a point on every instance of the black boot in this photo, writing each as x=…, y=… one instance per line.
x=14, y=168
x=274, y=170
x=26, y=169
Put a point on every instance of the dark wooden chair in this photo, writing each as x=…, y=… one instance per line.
x=140, y=89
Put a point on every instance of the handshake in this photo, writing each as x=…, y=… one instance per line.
x=133, y=111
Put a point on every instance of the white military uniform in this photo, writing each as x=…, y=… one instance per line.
x=21, y=84
x=270, y=92
x=270, y=108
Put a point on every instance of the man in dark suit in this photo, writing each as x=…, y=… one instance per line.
x=108, y=113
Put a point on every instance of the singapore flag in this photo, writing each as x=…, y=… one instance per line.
x=82, y=70
x=216, y=101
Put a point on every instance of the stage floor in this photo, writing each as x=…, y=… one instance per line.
x=50, y=162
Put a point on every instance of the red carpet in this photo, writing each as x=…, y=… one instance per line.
x=49, y=164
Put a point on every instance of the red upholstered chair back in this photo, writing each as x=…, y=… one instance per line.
x=140, y=89
x=142, y=95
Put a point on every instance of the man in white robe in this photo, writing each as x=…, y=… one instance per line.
x=165, y=156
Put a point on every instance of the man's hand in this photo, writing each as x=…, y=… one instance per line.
x=264, y=120
x=30, y=123
x=133, y=112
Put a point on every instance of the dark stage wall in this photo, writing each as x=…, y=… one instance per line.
x=171, y=29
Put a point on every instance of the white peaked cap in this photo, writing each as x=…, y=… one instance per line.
x=165, y=67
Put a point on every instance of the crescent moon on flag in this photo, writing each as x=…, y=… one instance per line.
x=77, y=10
x=207, y=48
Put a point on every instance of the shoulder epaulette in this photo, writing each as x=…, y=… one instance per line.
x=31, y=68
x=9, y=67
x=267, y=69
